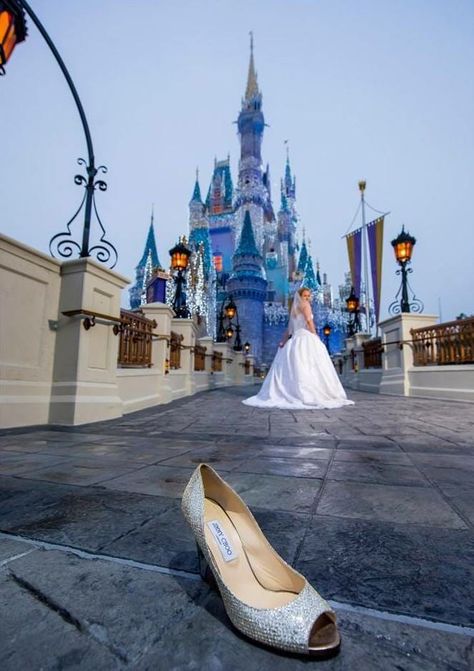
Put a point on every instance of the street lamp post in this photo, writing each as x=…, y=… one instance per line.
x=180, y=254
x=229, y=312
x=12, y=31
x=403, y=249
x=352, y=304
x=327, y=332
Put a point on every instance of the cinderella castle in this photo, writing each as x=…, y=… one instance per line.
x=245, y=251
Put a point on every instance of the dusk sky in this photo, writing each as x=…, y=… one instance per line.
x=381, y=90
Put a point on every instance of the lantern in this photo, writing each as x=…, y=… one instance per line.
x=12, y=29
x=230, y=309
x=352, y=302
x=180, y=254
x=403, y=247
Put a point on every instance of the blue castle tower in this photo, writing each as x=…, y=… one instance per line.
x=248, y=287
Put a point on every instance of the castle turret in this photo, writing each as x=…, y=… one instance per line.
x=144, y=269
x=199, y=227
x=248, y=287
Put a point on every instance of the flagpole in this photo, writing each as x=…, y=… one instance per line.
x=365, y=256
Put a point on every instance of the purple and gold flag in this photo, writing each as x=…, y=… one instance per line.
x=375, y=237
x=354, y=249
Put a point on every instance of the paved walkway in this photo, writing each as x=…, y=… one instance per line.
x=373, y=503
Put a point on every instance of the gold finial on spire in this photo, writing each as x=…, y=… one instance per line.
x=252, y=85
x=197, y=173
x=362, y=185
x=287, y=145
x=152, y=213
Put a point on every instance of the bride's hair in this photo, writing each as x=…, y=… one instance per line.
x=302, y=289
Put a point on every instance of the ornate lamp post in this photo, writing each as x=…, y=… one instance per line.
x=327, y=332
x=403, y=249
x=180, y=254
x=12, y=31
x=352, y=304
x=228, y=312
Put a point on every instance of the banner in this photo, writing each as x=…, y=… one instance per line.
x=354, y=249
x=375, y=237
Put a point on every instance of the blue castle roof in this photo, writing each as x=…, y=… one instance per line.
x=196, y=197
x=150, y=249
x=303, y=258
x=247, y=245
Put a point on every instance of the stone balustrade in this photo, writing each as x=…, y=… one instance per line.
x=60, y=331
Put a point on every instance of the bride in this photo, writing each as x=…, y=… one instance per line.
x=302, y=375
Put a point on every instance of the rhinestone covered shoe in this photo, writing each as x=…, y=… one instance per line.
x=264, y=597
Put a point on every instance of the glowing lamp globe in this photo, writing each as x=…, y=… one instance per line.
x=230, y=309
x=246, y=347
x=403, y=247
x=229, y=332
x=180, y=254
x=327, y=330
x=352, y=302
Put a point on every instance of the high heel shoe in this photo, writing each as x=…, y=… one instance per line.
x=264, y=598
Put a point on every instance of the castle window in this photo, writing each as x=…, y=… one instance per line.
x=218, y=263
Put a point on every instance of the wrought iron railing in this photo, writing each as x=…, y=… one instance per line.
x=373, y=353
x=175, y=350
x=217, y=362
x=442, y=344
x=135, y=340
x=199, y=357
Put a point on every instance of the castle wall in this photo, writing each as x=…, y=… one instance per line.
x=272, y=334
x=251, y=323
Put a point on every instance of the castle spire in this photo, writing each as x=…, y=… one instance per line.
x=247, y=245
x=196, y=197
x=252, y=85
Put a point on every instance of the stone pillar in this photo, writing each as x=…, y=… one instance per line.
x=224, y=378
x=188, y=329
x=163, y=315
x=397, y=357
x=85, y=363
x=238, y=370
x=208, y=343
x=249, y=375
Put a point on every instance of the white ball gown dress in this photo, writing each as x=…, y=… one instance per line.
x=302, y=375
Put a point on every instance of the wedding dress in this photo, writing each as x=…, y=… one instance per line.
x=302, y=375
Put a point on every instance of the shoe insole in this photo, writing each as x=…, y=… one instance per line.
x=237, y=573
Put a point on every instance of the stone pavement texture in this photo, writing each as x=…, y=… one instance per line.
x=373, y=503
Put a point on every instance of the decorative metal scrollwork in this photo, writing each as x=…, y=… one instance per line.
x=63, y=244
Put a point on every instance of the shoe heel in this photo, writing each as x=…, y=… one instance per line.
x=204, y=570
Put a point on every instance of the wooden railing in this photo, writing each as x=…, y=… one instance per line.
x=135, y=332
x=373, y=353
x=175, y=350
x=217, y=362
x=199, y=357
x=442, y=344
